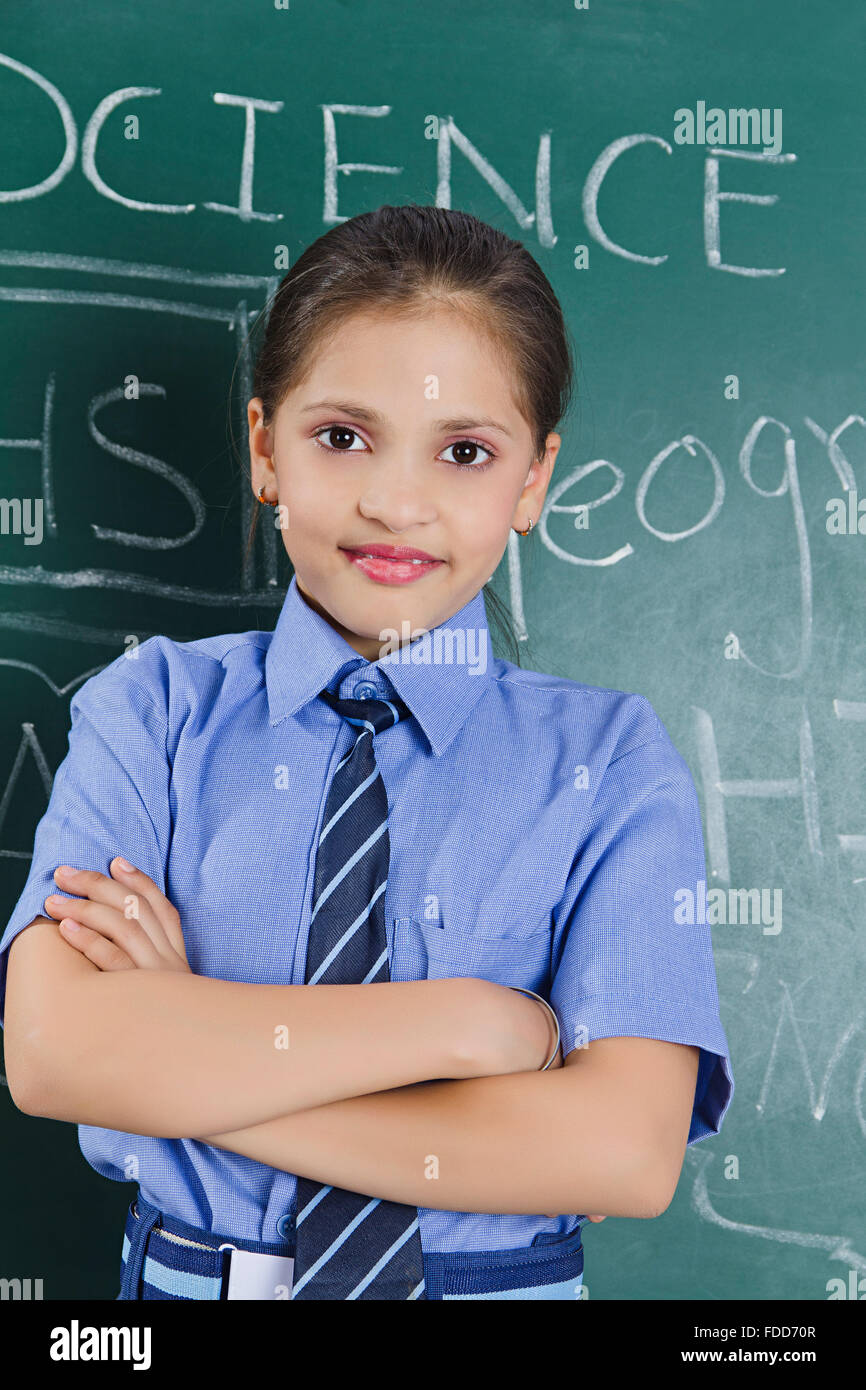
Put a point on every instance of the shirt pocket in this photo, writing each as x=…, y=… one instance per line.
x=496, y=950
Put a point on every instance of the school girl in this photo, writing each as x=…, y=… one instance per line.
x=392, y=999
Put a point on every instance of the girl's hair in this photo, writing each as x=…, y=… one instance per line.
x=410, y=259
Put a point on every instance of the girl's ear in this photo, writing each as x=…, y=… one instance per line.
x=551, y=449
x=262, y=469
x=531, y=500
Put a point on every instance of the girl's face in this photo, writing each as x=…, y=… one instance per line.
x=367, y=451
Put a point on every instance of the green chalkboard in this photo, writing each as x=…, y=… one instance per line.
x=715, y=293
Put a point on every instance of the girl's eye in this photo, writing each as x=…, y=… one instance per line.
x=340, y=439
x=468, y=450
x=340, y=432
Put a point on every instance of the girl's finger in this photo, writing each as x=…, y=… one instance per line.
x=149, y=948
x=164, y=911
x=126, y=933
x=96, y=947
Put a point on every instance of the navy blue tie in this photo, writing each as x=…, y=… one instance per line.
x=347, y=1245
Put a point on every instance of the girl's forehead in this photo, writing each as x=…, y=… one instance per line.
x=377, y=354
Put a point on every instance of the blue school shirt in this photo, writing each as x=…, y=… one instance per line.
x=539, y=830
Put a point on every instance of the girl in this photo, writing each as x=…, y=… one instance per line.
x=367, y=801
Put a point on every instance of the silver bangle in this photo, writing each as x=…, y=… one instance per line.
x=521, y=990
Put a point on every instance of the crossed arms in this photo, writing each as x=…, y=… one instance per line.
x=173, y=1054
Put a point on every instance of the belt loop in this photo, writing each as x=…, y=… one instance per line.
x=227, y=1267
x=135, y=1258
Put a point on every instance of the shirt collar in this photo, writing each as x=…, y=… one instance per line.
x=449, y=672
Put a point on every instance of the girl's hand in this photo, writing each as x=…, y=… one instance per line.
x=119, y=923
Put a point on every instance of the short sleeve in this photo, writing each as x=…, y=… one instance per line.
x=623, y=964
x=110, y=794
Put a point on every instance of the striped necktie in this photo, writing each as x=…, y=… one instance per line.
x=348, y=1245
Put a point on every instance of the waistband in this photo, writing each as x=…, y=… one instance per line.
x=166, y=1258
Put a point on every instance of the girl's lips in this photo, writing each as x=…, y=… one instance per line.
x=390, y=571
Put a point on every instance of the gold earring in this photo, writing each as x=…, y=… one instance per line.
x=266, y=500
x=527, y=531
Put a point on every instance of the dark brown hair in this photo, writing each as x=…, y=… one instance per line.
x=407, y=259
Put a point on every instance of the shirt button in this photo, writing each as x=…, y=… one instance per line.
x=366, y=691
x=284, y=1225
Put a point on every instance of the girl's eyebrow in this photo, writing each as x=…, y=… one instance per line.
x=373, y=417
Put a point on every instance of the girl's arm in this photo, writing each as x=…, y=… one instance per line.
x=164, y=1052
x=610, y=1131
x=170, y=1055
x=605, y=1133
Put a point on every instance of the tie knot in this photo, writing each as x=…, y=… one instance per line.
x=375, y=715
